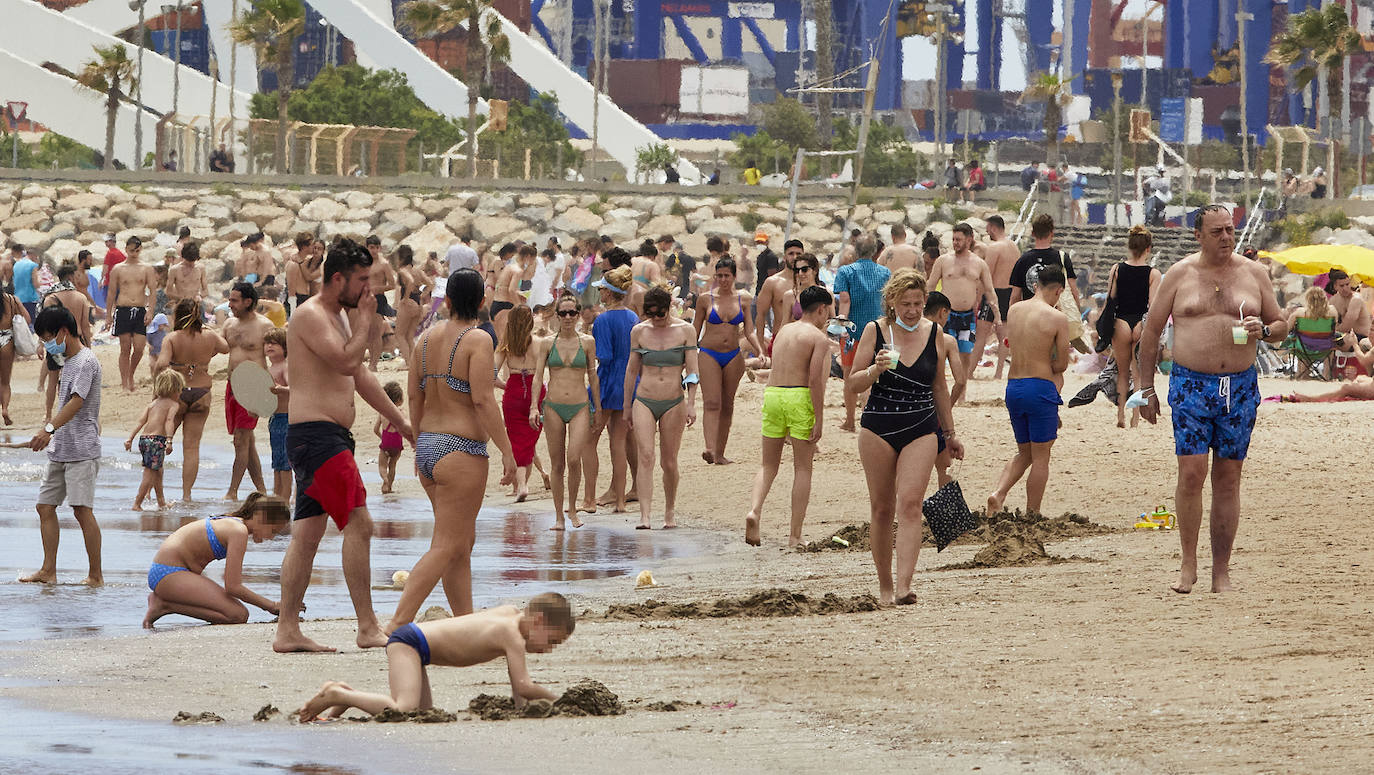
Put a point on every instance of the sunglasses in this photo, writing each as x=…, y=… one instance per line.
x=655, y=312
x=805, y=268
x=568, y=313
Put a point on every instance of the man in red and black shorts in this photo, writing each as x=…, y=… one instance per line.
x=325, y=369
x=244, y=331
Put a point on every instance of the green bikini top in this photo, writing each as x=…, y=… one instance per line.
x=673, y=356
x=555, y=361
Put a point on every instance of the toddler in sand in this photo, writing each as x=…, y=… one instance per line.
x=175, y=576
x=390, y=450
x=160, y=420
x=461, y=641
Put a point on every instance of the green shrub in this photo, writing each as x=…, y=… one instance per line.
x=595, y=208
x=677, y=209
x=1331, y=219
x=1296, y=230
x=750, y=220
x=1197, y=199
x=1009, y=205
x=865, y=197
x=958, y=214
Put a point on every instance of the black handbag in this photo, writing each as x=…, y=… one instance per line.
x=947, y=514
x=1106, y=322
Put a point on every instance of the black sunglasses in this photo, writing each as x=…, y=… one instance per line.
x=568, y=313
x=805, y=268
x=655, y=312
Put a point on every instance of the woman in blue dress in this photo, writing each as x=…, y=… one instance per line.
x=612, y=334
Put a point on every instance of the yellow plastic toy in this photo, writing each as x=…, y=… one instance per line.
x=1160, y=519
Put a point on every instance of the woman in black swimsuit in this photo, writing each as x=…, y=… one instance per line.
x=410, y=300
x=897, y=359
x=188, y=350
x=1132, y=282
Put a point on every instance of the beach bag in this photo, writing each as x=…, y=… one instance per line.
x=1106, y=322
x=947, y=514
x=583, y=276
x=25, y=342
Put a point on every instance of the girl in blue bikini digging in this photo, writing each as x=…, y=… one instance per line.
x=175, y=577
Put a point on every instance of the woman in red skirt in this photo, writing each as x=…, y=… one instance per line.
x=516, y=357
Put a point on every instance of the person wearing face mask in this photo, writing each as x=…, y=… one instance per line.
x=900, y=359
x=72, y=439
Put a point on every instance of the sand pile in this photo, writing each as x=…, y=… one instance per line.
x=266, y=712
x=186, y=717
x=425, y=716
x=585, y=698
x=769, y=603
x=1029, y=525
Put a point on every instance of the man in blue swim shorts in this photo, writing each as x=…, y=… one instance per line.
x=1221, y=304
x=1039, y=335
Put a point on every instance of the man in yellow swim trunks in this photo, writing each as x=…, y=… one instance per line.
x=793, y=403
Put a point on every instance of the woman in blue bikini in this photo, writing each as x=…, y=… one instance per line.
x=719, y=317
x=569, y=358
x=663, y=364
x=454, y=410
x=175, y=580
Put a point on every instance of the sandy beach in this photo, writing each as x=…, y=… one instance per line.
x=1090, y=665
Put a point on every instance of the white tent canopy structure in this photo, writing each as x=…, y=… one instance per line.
x=69, y=109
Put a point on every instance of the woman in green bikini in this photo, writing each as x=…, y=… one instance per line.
x=569, y=358
x=663, y=360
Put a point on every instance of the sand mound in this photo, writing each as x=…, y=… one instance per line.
x=426, y=716
x=586, y=698
x=433, y=613
x=186, y=717
x=1030, y=525
x=772, y=602
x=266, y=712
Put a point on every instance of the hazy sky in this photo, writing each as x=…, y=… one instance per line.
x=919, y=53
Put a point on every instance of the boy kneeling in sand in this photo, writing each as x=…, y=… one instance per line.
x=461, y=641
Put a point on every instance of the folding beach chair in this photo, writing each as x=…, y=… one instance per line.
x=1310, y=348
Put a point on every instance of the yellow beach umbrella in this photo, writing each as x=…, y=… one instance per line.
x=1357, y=261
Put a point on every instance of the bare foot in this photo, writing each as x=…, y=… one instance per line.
x=631, y=497
x=93, y=581
x=708, y=456
x=721, y=460
x=795, y=542
x=643, y=527
x=1221, y=582
x=557, y=526
x=521, y=496
x=1186, y=580
x=298, y=643
x=161, y=505
x=751, y=529
x=994, y=504
x=605, y=499
x=231, y=496
x=41, y=577
x=386, y=490
x=907, y=599
x=155, y=611
x=6, y=416
x=669, y=525
x=327, y=697
x=587, y=507
x=548, y=485
x=572, y=517
x=136, y=507
x=371, y=638
x=885, y=597
x=847, y=426
x=620, y=508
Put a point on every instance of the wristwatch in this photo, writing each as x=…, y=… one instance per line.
x=1264, y=331
x=49, y=429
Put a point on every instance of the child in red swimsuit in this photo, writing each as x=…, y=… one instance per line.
x=390, y=450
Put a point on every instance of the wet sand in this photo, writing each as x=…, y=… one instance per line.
x=1088, y=666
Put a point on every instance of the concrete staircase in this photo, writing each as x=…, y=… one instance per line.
x=1099, y=247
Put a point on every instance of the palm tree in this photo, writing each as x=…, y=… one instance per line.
x=1054, y=91
x=271, y=27
x=1315, y=40
x=486, y=45
x=111, y=73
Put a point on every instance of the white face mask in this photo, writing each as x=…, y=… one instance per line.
x=909, y=329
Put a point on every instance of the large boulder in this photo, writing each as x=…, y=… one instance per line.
x=1351, y=237
x=298, y=226
x=408, y=219
x=890, y=217
x=362, y=214
x=434, y=209
x=213, y=211
x=236, y=231
x=390, y=232
x=661, y=205
x=155, y=218
x=36, y=221
x=535, y=217
x=31, y=239
x=693, y=202
x=115, y=194
x=562, y=203
x=495, y=204
x=323, y=209
x=816, y=220
x=433, y=236
x=726, y=227
x=38, y=190
x=659, y=225
x=625, y=232
x=279, y=229
x=211, y=248
x=357, y=200
x=102, y=225
x=122, y=211
x=391, y=202
x=490, y=228
x=536, y=199
x=62, y=231
x=698, y=216
x=250, y=195
x=72, y=216
x=918, y=215
x=813, y=237
x=147, y=201
x=64, y=250
x=459, y=221
x=261, y=214
x=291, y=200
x=354, y=230
x=36, y=204
x=84, y=200
x=183, y=206
x=577, y=223
x=626, y=214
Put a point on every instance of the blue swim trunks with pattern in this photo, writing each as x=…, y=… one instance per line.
x=1213, y=411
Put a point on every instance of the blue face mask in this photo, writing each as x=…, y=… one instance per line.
x=54, y=347
x=835, y=329
x=905, y=327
